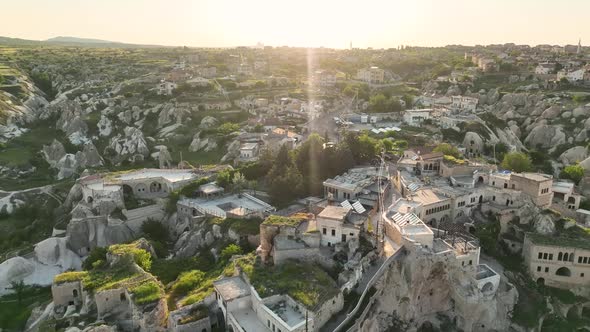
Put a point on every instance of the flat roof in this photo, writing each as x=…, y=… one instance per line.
x=172, y=175
x=221, y=205
x=231, y=288
x=427, y=196
x=534, y=176
x=248, y=320
x=334, y=212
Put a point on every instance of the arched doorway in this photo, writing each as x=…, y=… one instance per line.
x=571, y=200
x=75, y=293
x=541, y=282
x=480, y=179
x=564, y=272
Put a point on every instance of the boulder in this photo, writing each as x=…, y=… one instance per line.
x=89, y=156
x=473, y=143
x=130, y=144
x=105, y=126
x=54, y=251
x=544, y=224
x=164, y=158
x=67, y=166
x=567, y=115
x=233, y=152
x=573, y=155
x=581, y=111
x=53, y=152
x=551, y=112
x=209, y=122
x=545, y=136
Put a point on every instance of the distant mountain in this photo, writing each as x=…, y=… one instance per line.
x=76, y=40
x=72, y=41
x=17, y=41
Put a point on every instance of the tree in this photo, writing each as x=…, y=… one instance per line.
x=239, y=182
x=517, y=162
x=19, y=288
x=448, y=150
x=573, y=172
x=224, y=178
x=155, y=230
x=229, y=251
x=95, y=255
x=409, y=100
x=378, y=103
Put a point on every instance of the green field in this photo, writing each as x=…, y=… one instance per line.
x=14, y=314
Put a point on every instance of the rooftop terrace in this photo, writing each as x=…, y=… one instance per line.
x=171, y=175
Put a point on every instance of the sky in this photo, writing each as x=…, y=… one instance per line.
x=307, y=23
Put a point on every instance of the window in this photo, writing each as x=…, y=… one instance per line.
x=324, y=231
x=351, y=234
x=541, y=255
x=538, y=269
x=560, y=256
x=550, y=257
x=333, y=232
x=493, y=183
x=581, y=275
x=579, y=259
x=493, y=198
x=546, y=270
x=585, y=260
x=545, y=255
x=470, y=262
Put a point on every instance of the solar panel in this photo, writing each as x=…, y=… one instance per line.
x=413, y=186
x=358, y=207
x=346, y=205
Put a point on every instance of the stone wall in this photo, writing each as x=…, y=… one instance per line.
x=113, y=303
x=68, y=293
x=547, y=264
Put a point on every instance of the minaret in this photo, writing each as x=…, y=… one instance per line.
x=579, y=46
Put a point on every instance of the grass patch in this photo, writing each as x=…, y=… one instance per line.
x=275, y=220
x=14, y=314
x=197, y=313
x=240, y=226
x=147, y=292
x=312, y=291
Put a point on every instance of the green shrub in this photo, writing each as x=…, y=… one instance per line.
x=188, y=281
x=147, y=292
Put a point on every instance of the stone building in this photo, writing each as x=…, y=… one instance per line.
x=68, y=293
x=557, y=261
x=244, y=309
x=358, y=184
x=536, y=185
x=335, y=225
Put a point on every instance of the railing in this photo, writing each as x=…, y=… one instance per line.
x=259, y=201
x=370, y=284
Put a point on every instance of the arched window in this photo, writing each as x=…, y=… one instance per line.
x=564, y=272
x=565, y=257
x=571, y=257
x=560, y=256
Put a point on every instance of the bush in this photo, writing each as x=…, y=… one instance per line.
x=187, y=281
x=229, y=251
x=517, y=162
x=147, y=292
x=573, y=172
x=96, y=254
x=154, y=230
